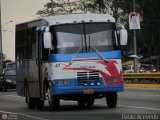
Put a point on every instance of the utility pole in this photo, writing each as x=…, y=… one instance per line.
x=52, y=6
x=1, y=52
x=135, y=45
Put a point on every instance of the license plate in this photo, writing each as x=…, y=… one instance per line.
x=88, y=91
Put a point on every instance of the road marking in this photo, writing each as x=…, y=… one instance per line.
x=12, y=96
x=147, y=108
x=28, y=116
x=139, y=107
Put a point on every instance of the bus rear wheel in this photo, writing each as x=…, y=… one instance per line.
x=90, y=102
x=86, y=103
x=40, y=104
x=30, y=101
x=111, y=99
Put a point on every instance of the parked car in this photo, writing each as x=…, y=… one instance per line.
x=10, y=65
x=147, y=68
x=128, y=68
x=7, y=78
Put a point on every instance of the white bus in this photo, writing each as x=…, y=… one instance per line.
x=70, y=57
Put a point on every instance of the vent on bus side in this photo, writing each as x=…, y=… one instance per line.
x=88, y=78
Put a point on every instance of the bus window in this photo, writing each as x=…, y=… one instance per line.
x=69, y=38
x=100, y=36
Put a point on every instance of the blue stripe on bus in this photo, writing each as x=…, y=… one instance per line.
x=84, y=56
x=79, y=89
x=73, y=88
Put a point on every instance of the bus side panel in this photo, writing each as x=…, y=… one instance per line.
x=33, y=79
x=27, y=73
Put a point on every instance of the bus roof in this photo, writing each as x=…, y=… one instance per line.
x=64, y=19
x=78, y=18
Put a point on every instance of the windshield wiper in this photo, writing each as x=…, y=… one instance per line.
x=80, y=48
x=98, y=53
x=94, y=48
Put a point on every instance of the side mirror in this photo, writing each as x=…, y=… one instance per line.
x=123, y=36
x=47, y=39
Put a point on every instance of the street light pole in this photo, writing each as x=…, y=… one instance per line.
x=1, y=52
x=135, y=45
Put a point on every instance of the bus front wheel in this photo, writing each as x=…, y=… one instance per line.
x=53, y=100
x=111, y=99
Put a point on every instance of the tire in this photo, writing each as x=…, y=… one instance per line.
x=54, y=101
x=45, y=89
x=40, y=104
x=4, y=87
x=81, y=103
x=111, y=99
x=30, y=101
x=86, y=103
x=90, y=102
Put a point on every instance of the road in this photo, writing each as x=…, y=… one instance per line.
x=131, y=101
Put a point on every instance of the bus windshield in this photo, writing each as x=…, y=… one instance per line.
x=69, y=38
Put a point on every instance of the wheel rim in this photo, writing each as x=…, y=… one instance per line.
x=49, y=97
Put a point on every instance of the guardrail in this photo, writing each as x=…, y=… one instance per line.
x=141, y=75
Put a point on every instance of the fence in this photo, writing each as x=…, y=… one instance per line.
x=141, y=77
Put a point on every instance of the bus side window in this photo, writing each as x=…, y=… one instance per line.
x=54, y=43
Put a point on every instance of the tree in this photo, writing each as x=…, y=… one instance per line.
x=4, y=60
x=2, y=55
x=60, y=7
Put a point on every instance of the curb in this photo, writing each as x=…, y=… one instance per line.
x=142, y=85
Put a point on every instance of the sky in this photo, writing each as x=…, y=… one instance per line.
x=19, y=11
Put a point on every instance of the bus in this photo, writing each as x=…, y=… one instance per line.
x=69, y=57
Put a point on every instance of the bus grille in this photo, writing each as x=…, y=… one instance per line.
x=88, y=78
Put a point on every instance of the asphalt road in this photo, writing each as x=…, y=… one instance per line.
x=132, y=102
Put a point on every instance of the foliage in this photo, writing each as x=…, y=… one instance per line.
x=4, y=59
x=3, y=56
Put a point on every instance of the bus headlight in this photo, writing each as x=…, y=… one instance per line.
x=63, y=82
x=9, y=81
x=113, y=79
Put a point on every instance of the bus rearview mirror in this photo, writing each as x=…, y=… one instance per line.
x=47, y=40
x=123, y=37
